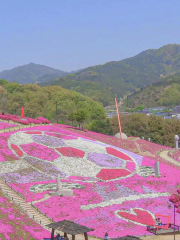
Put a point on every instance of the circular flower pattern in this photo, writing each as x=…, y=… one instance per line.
x=73, y=156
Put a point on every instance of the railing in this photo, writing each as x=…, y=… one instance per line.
x=154, y=229
x=176, y=227
x=39, y=211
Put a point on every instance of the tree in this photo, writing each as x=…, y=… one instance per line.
x=140, y=107
x=100, y=126
x=72, y=117
x=80, y=116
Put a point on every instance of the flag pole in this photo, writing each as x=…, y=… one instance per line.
x=120, y=131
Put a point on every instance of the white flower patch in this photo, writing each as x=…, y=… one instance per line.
x=20, y=138
x=87, y=147
x=6, y=167
x=124, y=199
x=72, y=166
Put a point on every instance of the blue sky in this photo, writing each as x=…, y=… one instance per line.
x=74, y=34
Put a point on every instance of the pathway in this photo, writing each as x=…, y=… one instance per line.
x=145, y=153
x=164, y=154
x=46, y=196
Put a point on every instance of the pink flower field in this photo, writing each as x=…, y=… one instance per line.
x=114, y=189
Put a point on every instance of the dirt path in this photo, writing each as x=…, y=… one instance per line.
x=146, y=153
x=161, y=237
x=46, y=196
x=164, y=154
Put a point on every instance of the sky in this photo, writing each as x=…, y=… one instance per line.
x=75, y=34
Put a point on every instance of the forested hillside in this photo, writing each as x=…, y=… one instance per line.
x=87, y=88
x=41, y=101
x=166, y=93
x=126, y=76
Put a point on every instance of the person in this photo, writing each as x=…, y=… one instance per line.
x=159, y=223
x=106, y=236
x=59, y=236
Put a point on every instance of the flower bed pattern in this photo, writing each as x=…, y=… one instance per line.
x=114, y=196
x=4, y=125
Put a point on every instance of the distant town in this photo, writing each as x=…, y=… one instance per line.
x=159, y=111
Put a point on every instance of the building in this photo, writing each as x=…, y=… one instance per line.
x=176, y=109
x=146, y=110
x=112, y=114
x=158, y=109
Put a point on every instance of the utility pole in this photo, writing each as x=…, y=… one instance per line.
x=56, y=113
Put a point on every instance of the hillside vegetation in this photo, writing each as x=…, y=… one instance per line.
x=166, y=93
x=161, y=131
x=90, y=89
x=126, y=76
x=41, y=101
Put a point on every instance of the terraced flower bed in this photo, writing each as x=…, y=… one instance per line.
x=114, y=189
x=15, y=224
x=150, y=147
x=4, y=125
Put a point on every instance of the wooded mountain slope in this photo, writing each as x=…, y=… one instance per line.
x=87, y=88
x=125, y=76
x=41, y=101
x=31, y=73
x=165, y=92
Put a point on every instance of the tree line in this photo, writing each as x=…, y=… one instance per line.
x=159, y=130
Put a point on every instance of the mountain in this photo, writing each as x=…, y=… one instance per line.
x=31, y=73
x=126, y=76
x=165, y=92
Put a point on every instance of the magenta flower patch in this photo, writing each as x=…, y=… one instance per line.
x=39, y=151
x=139, y=216
x=118, y=154
x=17, y=150
x=108, y=174
x=33, y=132
x=71, y=152
x=61, y=136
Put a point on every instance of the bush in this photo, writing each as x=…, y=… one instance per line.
x=43, y=120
